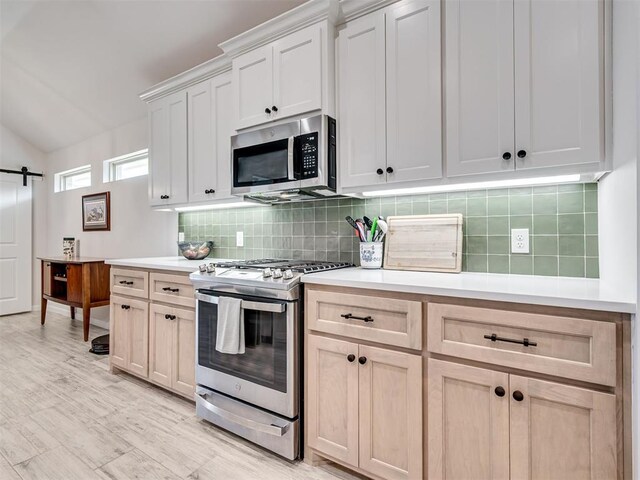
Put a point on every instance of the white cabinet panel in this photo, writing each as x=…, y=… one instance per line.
x=253, y=86
x=413, y=91
x=558, y=75
x=479, y=86
x=297, y=73
x=221, y=93
x=362, y=109
x=202, y=172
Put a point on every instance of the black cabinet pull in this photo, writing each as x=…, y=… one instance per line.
x=170, y=317
x=267, y=111
x=522, y=153
x=351, y=357
x=124, y=282
x=208, y=191
x=349, y=316
x=125, y=307
x=379, y=171
x=506, y=156
x=525, y=341
x=169, y=289
x=389, y=170
x=164, y=197
x=518, y=396
x=499, y=391
x=362, y=360
x=274, y=108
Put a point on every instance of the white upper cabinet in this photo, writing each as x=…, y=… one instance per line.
x=209, y=132
x=524, y=85
x=558, y=82
x=168, y=150
x=389, y=96
x=479, y=83
x=281, y=79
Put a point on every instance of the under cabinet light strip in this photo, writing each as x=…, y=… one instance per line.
x=216, y=206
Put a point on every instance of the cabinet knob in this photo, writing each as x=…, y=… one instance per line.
x=267, y=111
x=389, y=170
x=362, y=360
x=522, y=153
x=506, y=156
x=379, y=171
x=518, y=396
x=499, y=391
x=351, y=357
x=274, y=108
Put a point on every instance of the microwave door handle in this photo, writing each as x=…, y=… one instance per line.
x=247, y=304
x=292, y=174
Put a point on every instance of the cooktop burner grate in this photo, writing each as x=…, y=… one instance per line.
x=302, y=266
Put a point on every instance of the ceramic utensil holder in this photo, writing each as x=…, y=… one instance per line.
x=371, y=254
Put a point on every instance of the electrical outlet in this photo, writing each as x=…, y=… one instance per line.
x=181, y=236
x=239, y=239
x=519, y=240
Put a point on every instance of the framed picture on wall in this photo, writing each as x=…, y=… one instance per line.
x=96, y=212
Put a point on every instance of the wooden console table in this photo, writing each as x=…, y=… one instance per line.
x=81, y=282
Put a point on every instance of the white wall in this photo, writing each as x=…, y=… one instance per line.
x=15, y=152
x=136, y=230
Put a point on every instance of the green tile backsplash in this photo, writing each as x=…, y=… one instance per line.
x=562, y=221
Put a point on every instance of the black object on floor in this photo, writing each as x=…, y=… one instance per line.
x=100, y=345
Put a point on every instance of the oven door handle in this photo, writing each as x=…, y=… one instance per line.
x=276, y=431
x=290, y=155
x=248, y=304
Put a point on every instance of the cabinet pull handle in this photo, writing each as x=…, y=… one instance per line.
x=170, y=317
x=267, y=111
x=125, y=307
x=518, y=396
x=522, y=153
x=351, y=357
x=164, y=197
x=499, y=391
x=349, y=316
x=209, y=190
x=389, y=170
x=525, y=341
x=506, y=156
x=379, y=171
x=124, y=282
x=169, y=289
x=274, y=108
x=362, y=360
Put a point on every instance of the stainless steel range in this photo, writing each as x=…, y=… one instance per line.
x=256, y=394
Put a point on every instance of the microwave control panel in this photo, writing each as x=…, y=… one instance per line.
x=309, y=155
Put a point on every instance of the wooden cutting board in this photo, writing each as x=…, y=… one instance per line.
x=429, y=243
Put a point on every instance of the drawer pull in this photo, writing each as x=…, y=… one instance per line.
x=170, y=317
x=125, y=307
x=124, y=282
x=525, y=341
x=349, y=316
x=169, y=289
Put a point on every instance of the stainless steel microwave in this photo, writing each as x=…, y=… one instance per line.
x=290, y=161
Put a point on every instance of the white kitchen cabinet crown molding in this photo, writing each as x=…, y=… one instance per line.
x=308, y=13
x=352, y=9
x=204, y=71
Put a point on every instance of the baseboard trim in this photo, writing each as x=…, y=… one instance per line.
x=64, y=310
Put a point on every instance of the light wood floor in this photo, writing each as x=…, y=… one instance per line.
x=64, y=416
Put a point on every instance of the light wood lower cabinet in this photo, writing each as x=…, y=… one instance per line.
x=129, y=334
x=484, y=424
x=365, y=407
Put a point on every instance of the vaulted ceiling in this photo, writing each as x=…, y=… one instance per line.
x=70, y=70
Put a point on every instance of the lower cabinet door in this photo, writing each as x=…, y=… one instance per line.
x=332, y=398
x=138, y=337
x=183, y=371
x=468, y=422
x=390, y=393
x=161, y=334
x=561, y=432
x=118, y=332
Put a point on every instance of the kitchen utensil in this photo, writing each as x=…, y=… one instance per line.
x=368, y=222
x=362, y=229
x=195, y=250
x=353, y=223
x=374, y=227
x=424, y=243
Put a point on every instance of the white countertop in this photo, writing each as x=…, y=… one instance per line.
x=176, y=264
x=590, y=294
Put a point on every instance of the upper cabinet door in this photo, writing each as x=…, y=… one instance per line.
x=168, y=150
x=558, y=78
x=479, y=86
x=413, y=94
x=361, y=104
x=202, y=155
x=297, y=73
x=559, y=431
x=221, y=94
x=253, y=86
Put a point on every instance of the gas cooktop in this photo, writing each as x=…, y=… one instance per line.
x=302, y=266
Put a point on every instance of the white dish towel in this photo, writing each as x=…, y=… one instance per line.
x=230, y=333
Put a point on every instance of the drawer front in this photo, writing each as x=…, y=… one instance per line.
x=383, y=320
x=134, y=283
x=562, y=346
x=174, y=289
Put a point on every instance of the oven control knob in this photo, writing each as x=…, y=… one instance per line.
x=266, y=273
x=277, y=273
x=203, y=268
x=287, y=275
x=211, y=268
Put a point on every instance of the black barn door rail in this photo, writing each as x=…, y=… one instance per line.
x=24, y=171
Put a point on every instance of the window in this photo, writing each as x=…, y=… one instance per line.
x=126, y=166
x=71, y=179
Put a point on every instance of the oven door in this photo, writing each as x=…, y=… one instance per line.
x=266, y=374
